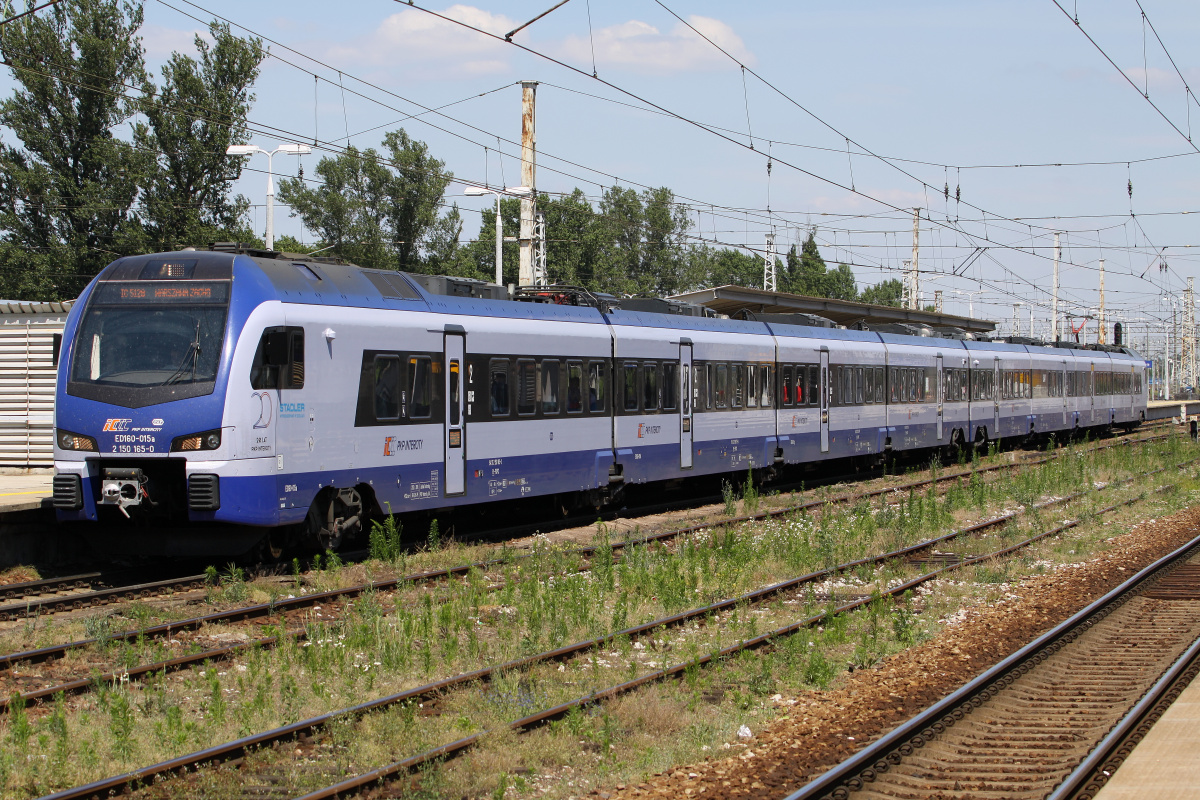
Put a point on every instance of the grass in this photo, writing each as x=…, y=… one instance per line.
x=385, y=642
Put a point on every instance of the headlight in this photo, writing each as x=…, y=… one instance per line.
x=75, y=441
x=209, y=440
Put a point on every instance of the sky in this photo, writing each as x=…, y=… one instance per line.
x=863, y=109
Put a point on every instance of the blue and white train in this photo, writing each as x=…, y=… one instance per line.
x=212, y=399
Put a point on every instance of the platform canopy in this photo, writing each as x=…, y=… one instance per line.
x=729, y=300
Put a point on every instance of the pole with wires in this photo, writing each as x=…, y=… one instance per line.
x=1103, y=334
x=770, y=279
x=1054, y=296
x=912, y=268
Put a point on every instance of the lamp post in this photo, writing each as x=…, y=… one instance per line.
x=249, y=150
x=516, y=191
x=970, y=299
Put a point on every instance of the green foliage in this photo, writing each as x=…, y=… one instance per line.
x=384, y=539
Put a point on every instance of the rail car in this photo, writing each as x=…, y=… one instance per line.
x=209, y=400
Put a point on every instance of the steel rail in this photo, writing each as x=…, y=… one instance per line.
x=375, y=776
x=238, y=748
x=99, y=597
x=1095, y=770
x=903, y=739
x=25, y=588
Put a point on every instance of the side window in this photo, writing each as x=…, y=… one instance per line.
x=650, y=385
x=879, y=385
x=767, y=391
x=785, y=386
x=279, y=360
x=751, y=386
x=868, y=385
x=739, y=384
x=526, y=386
x=548, y=384
x=387, y=387
x=630, y=392
x=814, y=385
x=700, y=387
x=423, y=390
x=499, y=387
x=721, y=390
x=597, y=386
x=670, y=385
x=893, y=385
x=858, y=385
x=574, y=387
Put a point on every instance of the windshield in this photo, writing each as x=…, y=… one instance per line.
x=133, y=340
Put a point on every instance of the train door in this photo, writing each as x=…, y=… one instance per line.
x=996, y=401
x=455, y=437
x=824, y=399
x=685, y=404
x=1062, y=388
x=941, y=393
x=1091, y=392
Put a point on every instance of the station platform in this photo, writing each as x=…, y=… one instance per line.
x=1166, y=764
x=1164, y=409
x=26, y=491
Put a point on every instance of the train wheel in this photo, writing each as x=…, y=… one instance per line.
x=334, y=516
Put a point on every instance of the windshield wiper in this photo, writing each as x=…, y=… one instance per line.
x=193, y=355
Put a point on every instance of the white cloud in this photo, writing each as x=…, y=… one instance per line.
x=439, y=47
x=160, y=42
x=640, y=46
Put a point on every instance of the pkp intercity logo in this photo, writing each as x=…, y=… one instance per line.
x=117, y=424
x=645, y=430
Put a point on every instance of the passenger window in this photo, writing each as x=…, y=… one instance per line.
x=597, y=386
x=814, y=385
x=752, y=386
x=700, y=401
x=768, y=387
x=630, y=393
x=785, y=387
x=879, y=384
x=868, y=385
x=893, y=385
x=574, y=387
x=423, y=392
x=650, y=386
x=526, y=387
x=499, y=388
x=670, y=385
x=739, y=385
x=454, y=379
x=387, y=387
x=549, y=386
x=721, y=392
x=858, y=385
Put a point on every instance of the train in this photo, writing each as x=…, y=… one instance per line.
x=220, y=399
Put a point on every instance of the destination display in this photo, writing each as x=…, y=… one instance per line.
x=174, y=292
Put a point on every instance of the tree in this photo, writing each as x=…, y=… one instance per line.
x=884, y=293
x=200, y=110
x=414, y=196
x=380, y=213
x=839, y=284
x=66, y=196
x=347, y=207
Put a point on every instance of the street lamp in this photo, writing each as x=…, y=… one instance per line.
x=970, y=299
x=516, y=191
x=249, y=150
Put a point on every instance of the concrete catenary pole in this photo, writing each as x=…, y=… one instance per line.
x=528, y=178
x=937, y=300
x=1016, y=319
x=913, y=302
x=1054, y=296
x=1103, y=334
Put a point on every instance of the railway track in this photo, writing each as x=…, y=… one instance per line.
x=1025, y=727
x=75, y=593
x=286, y=612
x=240, y=748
